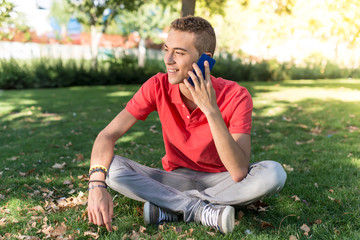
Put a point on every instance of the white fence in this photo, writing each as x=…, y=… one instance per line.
x=18, y=50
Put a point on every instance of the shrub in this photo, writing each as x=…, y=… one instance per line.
x=50, y=73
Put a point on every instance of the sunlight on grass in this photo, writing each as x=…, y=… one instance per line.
x=299, y=94
x=6, y=107
x=277, y=97
x=130, y=137
x=120, y=94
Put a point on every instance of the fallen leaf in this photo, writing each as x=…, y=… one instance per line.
x=59, y=166
x=2, y=222
x=316, y=185
x=302, y=126
x=92, y=234
x=265, y=225
x=14, y=158
x=134, y=235
x=334, y=200
x=303, y=142
x=292, y=237
x=353, y=129
x=305, y=228
x=59, y=230
x=79, y=157
x=268, y=147
x=287, y=119
x=296, y=198
x=211, y=233
x=177, y=229
x=27, y=237
x=152, y=129
x=288, y=168
x=142, y=229
x=67, y=182
x=240, y=215
x=37, y=209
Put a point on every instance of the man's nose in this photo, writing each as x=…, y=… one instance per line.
x=169, y=58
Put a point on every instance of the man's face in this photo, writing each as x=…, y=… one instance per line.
x=180, y=54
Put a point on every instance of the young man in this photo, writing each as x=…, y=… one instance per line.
x=206, y=131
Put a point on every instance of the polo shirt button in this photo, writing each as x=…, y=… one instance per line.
x=188, y=117
x=183, y=105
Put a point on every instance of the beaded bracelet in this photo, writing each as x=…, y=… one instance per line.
x=100, y=186
x=98, y=168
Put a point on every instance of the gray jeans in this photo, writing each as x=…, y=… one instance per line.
x=183, y=190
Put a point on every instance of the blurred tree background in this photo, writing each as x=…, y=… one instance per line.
x=260, y=39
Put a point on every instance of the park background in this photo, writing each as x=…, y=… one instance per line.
x=68, y=67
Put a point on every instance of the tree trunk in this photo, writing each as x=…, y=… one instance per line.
x=187, y=7
x=95, y=39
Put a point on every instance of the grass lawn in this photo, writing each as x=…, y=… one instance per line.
x=311, y=127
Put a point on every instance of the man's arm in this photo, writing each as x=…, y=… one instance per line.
x=100, y=206
x=234, y=150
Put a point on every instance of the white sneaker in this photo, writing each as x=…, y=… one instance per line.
x=156, y=215
x=219, y=217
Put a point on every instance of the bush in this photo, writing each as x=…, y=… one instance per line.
x=50, y=73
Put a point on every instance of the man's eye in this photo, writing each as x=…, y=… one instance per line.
x=180, y=53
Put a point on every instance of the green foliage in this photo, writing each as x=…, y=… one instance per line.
x=91, y=12
x=51, y=73
x=6, y=8
x=148, y=20
x=59, y=10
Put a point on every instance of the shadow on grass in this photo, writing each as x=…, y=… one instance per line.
x=317, y=140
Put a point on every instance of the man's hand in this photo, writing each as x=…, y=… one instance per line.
x=100, y=207
x=202, y=92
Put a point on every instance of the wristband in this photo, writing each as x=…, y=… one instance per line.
x=103, y=182
x=99, y=186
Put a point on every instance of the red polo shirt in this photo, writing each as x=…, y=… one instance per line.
x=187, y=137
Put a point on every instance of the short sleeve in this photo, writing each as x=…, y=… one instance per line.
x=144, y=101
x=240, y=121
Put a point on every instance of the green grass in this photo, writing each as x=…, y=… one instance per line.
x=312, y=127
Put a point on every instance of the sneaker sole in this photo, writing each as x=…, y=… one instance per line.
x=228, y=219
x=146, y=213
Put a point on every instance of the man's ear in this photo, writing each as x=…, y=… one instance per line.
x=209, y=54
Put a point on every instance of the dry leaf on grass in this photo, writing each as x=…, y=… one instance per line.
x=306, y=229
x=79, y=157
x=240, y=215
x=92, y=234
x=292, y=237
x=296, y=198
x=59, y=166
x=303, y=142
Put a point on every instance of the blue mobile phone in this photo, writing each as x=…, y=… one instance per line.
x=200, y=63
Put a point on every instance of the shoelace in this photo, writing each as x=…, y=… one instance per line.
x=166, y=216
x=209, y=216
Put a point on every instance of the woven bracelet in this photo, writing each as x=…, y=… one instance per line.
x=99, y=186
